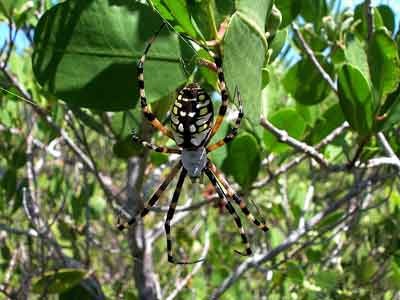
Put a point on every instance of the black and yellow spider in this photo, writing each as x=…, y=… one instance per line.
x=192, y=130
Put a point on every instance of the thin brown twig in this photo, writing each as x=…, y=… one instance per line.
x=314, y=60
x=294, y=162
x=295, y=235
x=284, y=137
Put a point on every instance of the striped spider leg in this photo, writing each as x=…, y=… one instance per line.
x=231, y=210
x=234, y=131
x=145, y=210
x=233, y=195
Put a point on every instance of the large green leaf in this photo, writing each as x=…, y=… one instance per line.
x=209, y=14
x=244, y=159
x=355, y=99
x=277, y=43
x=388, y=16
x=58, y=281
x=384, y=62
x=289, y=9
x=356, y=55
x=243, y=64
x=313, y=11
x=287, y=119
x=305, y=83
x=7, y=7
x=86, y=54
x=176, y=10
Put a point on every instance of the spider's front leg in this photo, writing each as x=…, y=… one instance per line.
x=224, y=94
x=233, y=132
x=156, y=148
x=143, y=100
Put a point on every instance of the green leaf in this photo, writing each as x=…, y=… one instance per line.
x=242, y=64
x=388, y=16
x=277, y=43
x=289, y=9
x=7, y=7
x=57, y=281
x=313, y=11
x=384, y=62
x=126, y=148
x=362, y=27
x=391, y=109
x=210, y=13
x=357, y=56
x=218, y=156
x=307, y=89
x=86, y=54
x=355, y=99
x=178, y=9
x=330, y=120
x=294, y=272
x=157, y=158
x=287, y=119
x=244, y=159
x=327, y=280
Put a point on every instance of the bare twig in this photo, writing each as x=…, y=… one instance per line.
x=286, y=167
x=314, y=60
x=369, y=18
x=284, y=137
x=294, y=237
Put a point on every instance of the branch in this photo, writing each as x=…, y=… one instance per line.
x=294, y=237
x=314, y=60
x=284, y=137
x=389, y=151
x=369, y=18
x=286, y=167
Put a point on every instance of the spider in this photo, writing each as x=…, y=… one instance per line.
x=192, y=129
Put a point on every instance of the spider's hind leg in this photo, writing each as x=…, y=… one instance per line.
x=232, y=194
x=170, y=215
x=231, y=210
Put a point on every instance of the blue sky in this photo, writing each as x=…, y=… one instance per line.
x=394, y=4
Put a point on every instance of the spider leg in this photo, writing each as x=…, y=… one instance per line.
x=224, y=95
x=232, y=194
x=153, y=199
x=170, y=215
x=234, y=131
x=154, y=147
x=231, y=210
x=143, y=101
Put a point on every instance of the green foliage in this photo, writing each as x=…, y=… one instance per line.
x=55, y=282
x=88, y=66
x=68, y=165
x=356, y=99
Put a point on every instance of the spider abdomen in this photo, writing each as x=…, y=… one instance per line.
x=191, y=117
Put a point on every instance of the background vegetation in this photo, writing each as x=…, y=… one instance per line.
x=316, y=157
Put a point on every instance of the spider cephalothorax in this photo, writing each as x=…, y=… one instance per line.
x=192, y=129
